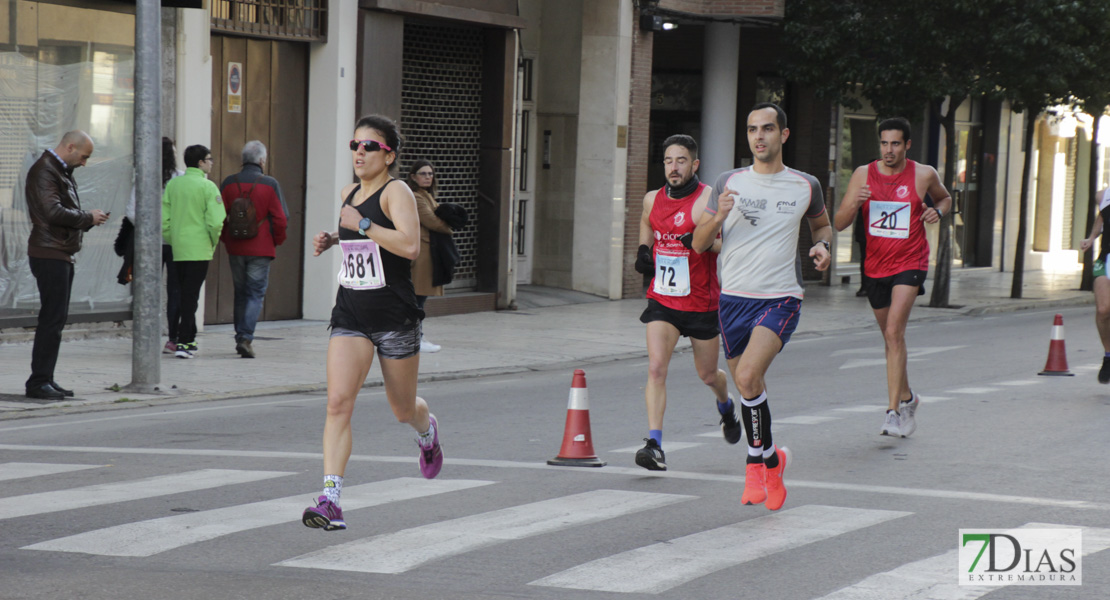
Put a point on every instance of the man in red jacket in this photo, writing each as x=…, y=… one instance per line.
x=250, y=257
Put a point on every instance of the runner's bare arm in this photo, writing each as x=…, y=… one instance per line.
x=856, y=194
x=698, y=210
x=821, y=232
x=709, y=225
x=647, y=237
x=1096, y=229
x=942, y=201
x=399, y=206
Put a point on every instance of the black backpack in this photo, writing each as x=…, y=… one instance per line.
x=242, y=217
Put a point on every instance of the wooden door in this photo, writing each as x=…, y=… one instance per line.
x=273, y=110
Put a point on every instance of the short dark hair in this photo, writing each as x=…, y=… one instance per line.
x=779, y=112
x=194, y=154
x=683, y=140
x=896, y=123
x=389, y=130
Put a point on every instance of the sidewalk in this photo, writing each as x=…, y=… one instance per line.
x=552, y=329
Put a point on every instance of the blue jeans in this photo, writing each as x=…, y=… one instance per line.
x=251, y=276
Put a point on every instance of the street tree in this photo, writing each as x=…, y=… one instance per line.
x=904, y=56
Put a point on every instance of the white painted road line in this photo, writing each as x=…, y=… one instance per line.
x=608, y=471
x=667, y=447
x=22, y=470
x=936, y=577
x=1021, y=382
x=803, y=420
x=407, y=549
x=857, y=409
x=659, y=567
x=147, y=538
x=974, y=390
x=123, y=491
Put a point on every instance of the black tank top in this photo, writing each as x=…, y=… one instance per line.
x=1104, y=245
x=391, y=308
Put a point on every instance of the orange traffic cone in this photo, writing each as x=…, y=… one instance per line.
x=1057, y=363
x=578, y=446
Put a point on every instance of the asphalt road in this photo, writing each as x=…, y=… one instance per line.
x=203, y=500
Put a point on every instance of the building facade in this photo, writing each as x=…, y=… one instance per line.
x=544, y=118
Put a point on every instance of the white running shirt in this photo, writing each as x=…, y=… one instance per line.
x=759, y=239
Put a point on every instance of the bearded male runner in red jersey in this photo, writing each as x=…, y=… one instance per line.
x=683, y=295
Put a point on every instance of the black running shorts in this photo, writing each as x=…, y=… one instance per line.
x=879, y=288
x=696, y=325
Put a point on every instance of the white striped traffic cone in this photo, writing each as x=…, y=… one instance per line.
x=1057, y=363
x=578, y=446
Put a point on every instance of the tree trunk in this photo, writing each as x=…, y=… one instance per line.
x=943, y=276
x=1087, y=282
x=1023, y=204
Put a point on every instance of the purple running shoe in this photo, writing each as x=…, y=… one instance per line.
x=326, y=514
x=431, y=458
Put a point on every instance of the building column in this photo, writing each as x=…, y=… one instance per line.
x=602, y=147
x=720, y=85
x=331, y=121
x=193, y=118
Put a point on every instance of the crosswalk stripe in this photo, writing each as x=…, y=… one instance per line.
x=803, y=420
x=136, y=489
x=146, y=538
x=407, y=549
x=22, y=470
x=669, y=447
x=659, y=567
x=935, y=577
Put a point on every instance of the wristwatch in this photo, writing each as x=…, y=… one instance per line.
x=940, y=215
x=828, y=247
x=364, y=226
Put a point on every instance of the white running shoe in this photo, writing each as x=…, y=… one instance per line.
x=907, y=424
x=892, y=426
x=428, y=347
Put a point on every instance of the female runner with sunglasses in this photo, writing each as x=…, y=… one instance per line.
x=375, y=307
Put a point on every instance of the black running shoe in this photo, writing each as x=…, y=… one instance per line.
x=1104, y=372
x=651, y=456
x=731, y=427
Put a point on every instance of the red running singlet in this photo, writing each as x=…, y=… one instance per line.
x=684, y=280
x=892, y=217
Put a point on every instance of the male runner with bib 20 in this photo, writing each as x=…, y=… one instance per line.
x=1102, y=283
x=683, y=295
x=892, y=193
x=758, y=211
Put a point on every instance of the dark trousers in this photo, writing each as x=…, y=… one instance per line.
x=190, y=277
x=173, y=293
x=55, y=283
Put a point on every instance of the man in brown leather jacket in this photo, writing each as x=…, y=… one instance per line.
x=57, y=225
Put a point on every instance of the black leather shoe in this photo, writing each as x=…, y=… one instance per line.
x=68, y=393
x=45, y=392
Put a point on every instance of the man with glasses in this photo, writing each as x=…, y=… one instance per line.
x=192, y=218
x=250, y=250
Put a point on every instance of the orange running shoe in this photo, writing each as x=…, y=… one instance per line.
x=776, y=491
x=754, y=490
